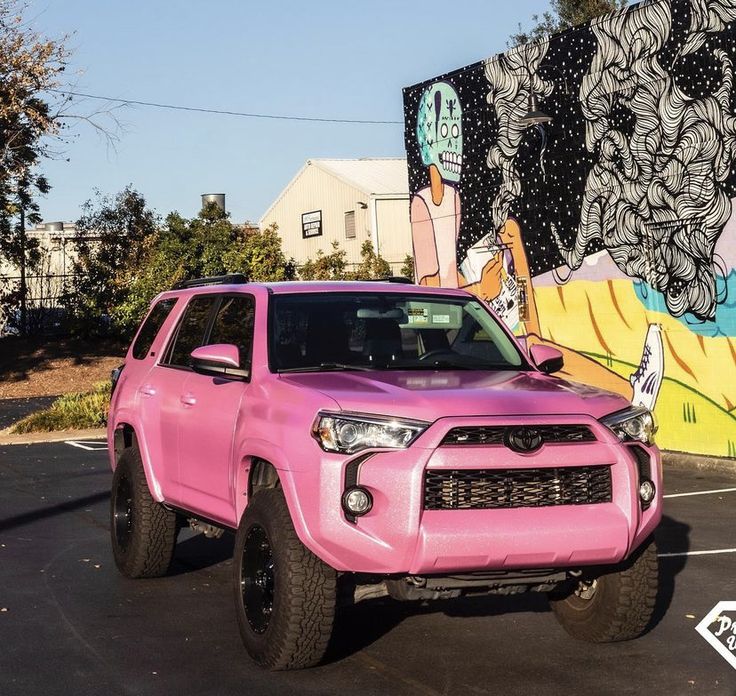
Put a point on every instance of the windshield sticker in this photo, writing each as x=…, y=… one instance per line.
x=418, y=315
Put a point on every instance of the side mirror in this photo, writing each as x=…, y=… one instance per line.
x=218, y=360
x=546, y=358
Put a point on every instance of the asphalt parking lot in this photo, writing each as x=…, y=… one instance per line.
x=70, y=624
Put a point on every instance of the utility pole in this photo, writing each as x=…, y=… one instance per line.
x=23, y=287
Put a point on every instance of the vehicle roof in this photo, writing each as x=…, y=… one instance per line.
x=317, y=286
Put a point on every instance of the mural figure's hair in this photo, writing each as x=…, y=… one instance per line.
x=656, y=198
x=513, y=78
x=706, y=16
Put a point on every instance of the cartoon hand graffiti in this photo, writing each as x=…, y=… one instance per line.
x=496, y=268
x=436, y=209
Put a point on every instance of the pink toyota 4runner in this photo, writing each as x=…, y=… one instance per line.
x=377, y=439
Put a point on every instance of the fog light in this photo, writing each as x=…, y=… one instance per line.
x=357, y=501
x=646, y=491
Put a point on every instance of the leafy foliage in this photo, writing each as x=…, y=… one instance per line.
x=564, y=14
x=372, y=265
x=334, y=266
x=407, y=268
x=29, y=67
x=112, y=238
x=260, y=256
x=209, y=244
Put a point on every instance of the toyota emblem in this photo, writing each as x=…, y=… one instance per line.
x=523, y=440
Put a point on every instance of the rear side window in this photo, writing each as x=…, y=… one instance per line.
x=154, y=321
x=191, y=330
x=234, y=324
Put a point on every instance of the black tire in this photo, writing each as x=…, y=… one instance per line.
x=143, y=532
x=285, y=597
x=614, y=606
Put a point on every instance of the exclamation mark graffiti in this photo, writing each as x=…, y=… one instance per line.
x=437, y=109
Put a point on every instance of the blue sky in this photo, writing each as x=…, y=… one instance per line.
x=324, y=58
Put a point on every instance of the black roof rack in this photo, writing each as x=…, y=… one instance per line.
x=231, y=279
x=391, y=279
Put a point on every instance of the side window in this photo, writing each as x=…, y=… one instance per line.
x=234, y=324
x=190, y=332
x=155, y=319
x=350, y=224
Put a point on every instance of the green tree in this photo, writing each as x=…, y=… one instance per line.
x=111, y=240
x=29, y=68
x=207, y=245
x=371, y=265
x=563, y=15
x=332, y=266
x=260, y=257
x=407, y=269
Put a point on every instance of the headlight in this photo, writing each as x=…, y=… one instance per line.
x=633, y=423
x=352, y=432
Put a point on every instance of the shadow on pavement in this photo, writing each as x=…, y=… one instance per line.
x=358, y=626
x=52, y=510
x=198, y=552
x=12, y=410
x=19, y=357
x=361, y=625
x=672, y=536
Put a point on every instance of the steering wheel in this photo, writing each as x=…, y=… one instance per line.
x=435, y=353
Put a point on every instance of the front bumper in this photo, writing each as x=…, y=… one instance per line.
x=399, y=536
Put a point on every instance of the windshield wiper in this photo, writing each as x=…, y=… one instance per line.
x=448, y=365
x=328, y=367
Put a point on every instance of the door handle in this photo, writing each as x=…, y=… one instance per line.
x=188, y=399
x=147, y=390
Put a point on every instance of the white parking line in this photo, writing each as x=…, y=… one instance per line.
x=717, y=490
x=89, y=445
x=695, y=553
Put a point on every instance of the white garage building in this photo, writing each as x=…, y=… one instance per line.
x=348, y=201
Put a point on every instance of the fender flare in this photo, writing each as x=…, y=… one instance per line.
x=274, y=455
x=125, y=417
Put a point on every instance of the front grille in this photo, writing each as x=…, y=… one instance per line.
x=495, y=434
x=483, y=489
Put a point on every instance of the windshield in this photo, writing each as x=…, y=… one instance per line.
x=381, y=331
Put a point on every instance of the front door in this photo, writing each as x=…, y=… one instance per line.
x=210, y=416
x=161, y=395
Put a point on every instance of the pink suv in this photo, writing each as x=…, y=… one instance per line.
x=377, y=439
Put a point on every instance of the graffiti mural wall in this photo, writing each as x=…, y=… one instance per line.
x=585, y=187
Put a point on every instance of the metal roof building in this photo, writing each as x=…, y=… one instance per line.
x=348, y=201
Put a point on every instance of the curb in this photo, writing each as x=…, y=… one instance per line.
x=55, y=436
x=680, y=460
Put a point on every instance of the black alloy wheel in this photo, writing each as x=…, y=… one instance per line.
x=257, y=578
x=123, y=513
x=285, y=597
x=142, y=531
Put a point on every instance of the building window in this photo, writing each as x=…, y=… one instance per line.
x=350, y=224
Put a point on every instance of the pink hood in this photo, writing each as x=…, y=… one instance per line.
x=426, y=395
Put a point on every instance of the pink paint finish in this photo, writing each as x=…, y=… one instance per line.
x=221, y=353
x=199, y=436
x=544, y=356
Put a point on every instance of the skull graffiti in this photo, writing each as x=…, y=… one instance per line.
x=439, y=130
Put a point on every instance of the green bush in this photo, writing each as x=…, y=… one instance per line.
x=70, y=411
